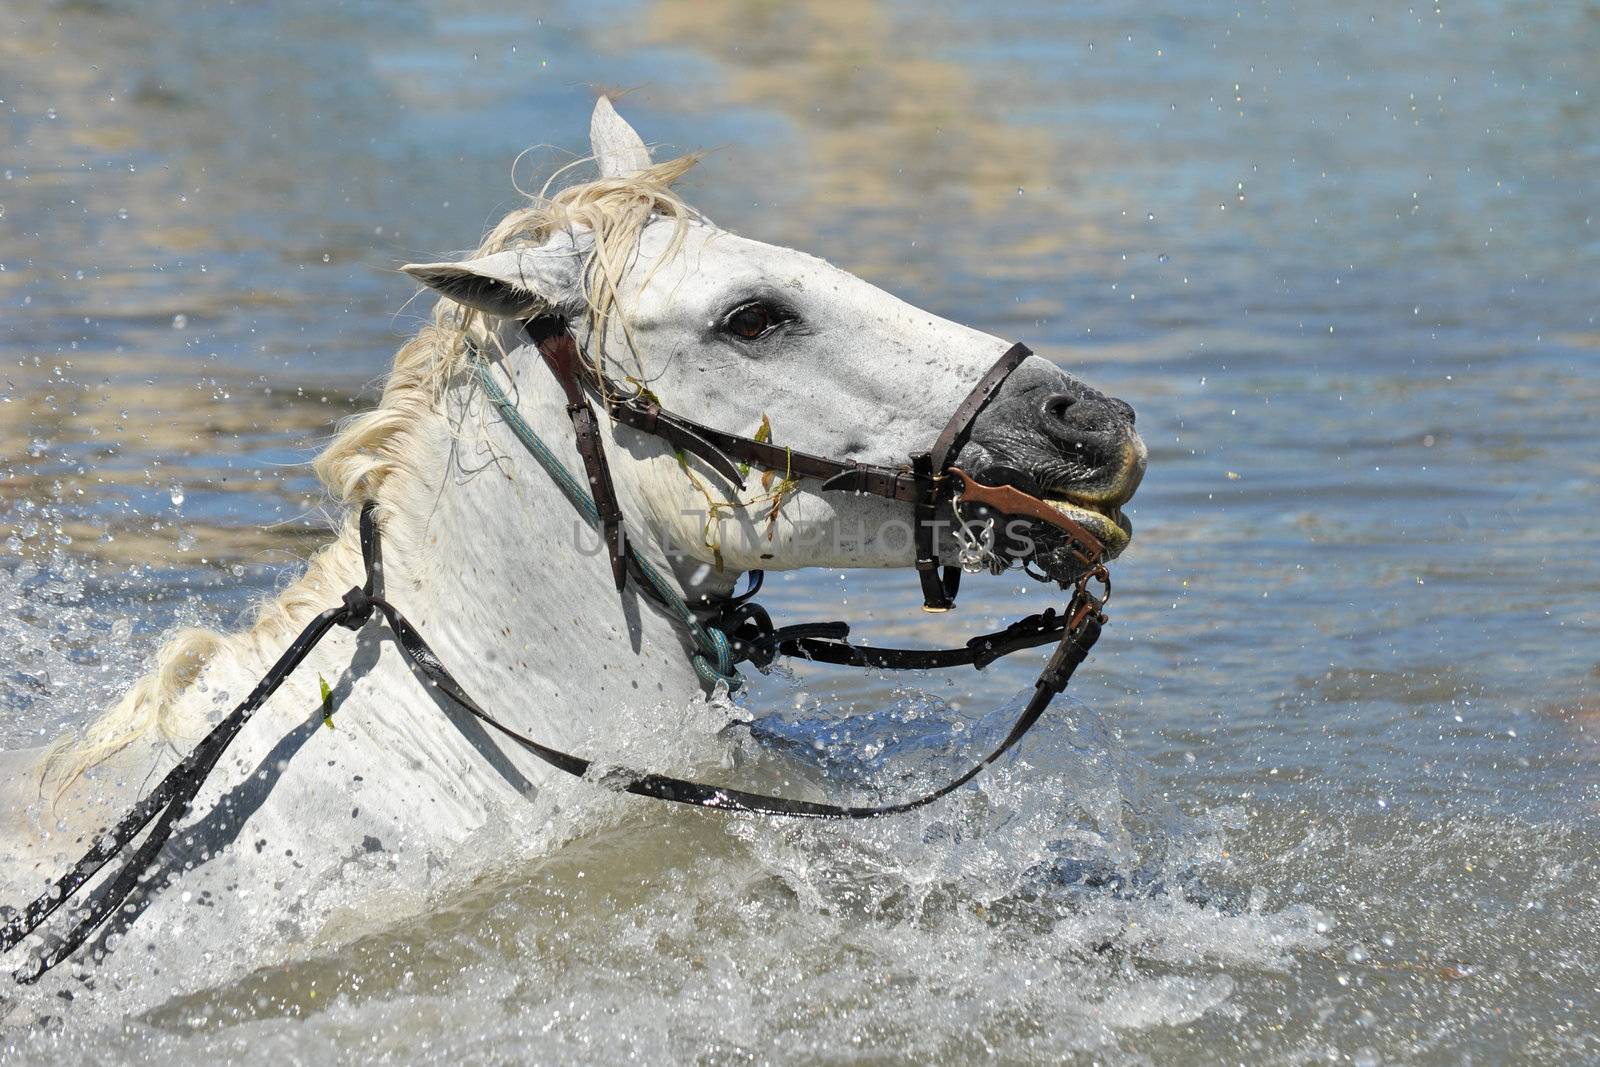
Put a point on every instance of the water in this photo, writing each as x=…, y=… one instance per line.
x=1329, y=788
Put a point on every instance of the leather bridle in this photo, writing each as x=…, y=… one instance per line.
x=924, y=481
x=741, y=629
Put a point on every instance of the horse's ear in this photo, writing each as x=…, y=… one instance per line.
x=617, y=149
x=515, y=284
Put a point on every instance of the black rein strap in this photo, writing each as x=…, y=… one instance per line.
x=926, y=480
x=170, y=800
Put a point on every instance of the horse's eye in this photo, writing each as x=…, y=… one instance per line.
x=751, y=321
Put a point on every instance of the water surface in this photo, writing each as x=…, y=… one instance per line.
x=1329, y=787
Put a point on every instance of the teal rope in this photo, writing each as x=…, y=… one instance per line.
x=714, y=662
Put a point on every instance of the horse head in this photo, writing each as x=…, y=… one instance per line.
x=770, y=342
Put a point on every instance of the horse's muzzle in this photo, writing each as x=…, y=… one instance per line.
x=1054, y=437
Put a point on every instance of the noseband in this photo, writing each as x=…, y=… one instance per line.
x=740, y=630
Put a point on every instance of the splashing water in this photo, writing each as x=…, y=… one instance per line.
x=1057, y=902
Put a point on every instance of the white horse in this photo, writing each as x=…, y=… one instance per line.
x=310, y=833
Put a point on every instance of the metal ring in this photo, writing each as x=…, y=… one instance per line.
x=1103, y=576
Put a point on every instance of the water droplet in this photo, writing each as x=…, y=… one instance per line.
x=180, y=322
x=1151, y=217
x=177, y=496
x=122, y=212
x=1162, y=258
x=326, y=258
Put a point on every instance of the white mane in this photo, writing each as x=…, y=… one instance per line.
x=375, y=455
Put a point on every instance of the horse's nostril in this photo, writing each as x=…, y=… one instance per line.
x=1056, y=407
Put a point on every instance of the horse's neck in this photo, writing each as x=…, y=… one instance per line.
x=509, y=583
x=503, y=579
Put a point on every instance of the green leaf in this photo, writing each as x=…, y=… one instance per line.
x=327, y=702
x=645, y=392
x=764, y=435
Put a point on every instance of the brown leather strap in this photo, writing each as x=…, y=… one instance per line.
x=648, y=417
x=956, y=430
x=922, y=483
x=560, y=354
x=720, y=449
x=939, y=589
x=1011, y=501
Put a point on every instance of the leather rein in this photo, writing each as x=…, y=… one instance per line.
x=741, y=629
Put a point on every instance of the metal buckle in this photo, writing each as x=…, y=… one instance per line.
x=1084, y=603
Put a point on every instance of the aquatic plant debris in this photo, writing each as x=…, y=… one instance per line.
x=327, y=701
x=764, y=435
